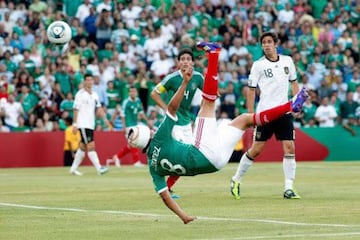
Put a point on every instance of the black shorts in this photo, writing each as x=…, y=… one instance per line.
x=283, y=128
x=87, y=135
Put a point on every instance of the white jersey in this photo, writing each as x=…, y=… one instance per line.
x=273, y=80
x=86, y=104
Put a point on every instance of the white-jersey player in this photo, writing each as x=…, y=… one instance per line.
x=272, y=74
x=86, y=106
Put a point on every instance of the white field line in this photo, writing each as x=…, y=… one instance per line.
x=308, y=235
x=166, y=215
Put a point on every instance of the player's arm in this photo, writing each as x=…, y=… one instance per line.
x=250, y=99
x=75, y=117
x=101, y=112
x=294, y=87
x=142, y=116
x=175, y=101
x=254, y=77
x=155, y=95
x=173, y=206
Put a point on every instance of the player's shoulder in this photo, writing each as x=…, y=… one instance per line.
x=171, y=76
x=283, y=57
x=80, y=92
x=260, y=61
x=197, y=74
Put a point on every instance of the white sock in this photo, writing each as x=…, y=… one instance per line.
x=79, y=156
x=289, y=167
x=244, y=165
x=94, y=159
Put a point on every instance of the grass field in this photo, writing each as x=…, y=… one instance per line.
x=47, y=203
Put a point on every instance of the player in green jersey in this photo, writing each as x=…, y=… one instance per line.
x=182, y=131
x=213, y=145
x=132, y=113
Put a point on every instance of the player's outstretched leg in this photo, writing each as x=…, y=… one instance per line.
x=210, y=89
x=299, y=99
x=209, y=46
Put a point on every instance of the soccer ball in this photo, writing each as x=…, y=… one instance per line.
x=59, y=32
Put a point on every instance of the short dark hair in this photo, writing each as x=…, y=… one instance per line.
x=269, y=34
x=87, y=75
x=186, y=51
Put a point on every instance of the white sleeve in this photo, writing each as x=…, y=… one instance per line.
x=254, y=76
x=76, y=102
x=292, y=75
x=97, y=101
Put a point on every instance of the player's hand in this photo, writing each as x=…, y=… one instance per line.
x=187, y=73
x=188, y=219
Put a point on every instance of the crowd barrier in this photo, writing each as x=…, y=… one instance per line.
x=46, y=149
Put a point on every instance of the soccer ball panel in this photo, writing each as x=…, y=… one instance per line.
x=59, y=32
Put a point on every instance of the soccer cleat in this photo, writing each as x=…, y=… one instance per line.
x=291, y=194
x=208, y=46
x=299, y=100
x=76, y=173
x=139, y=164
x=235, y=189
x=173, y=195
x=103, y=170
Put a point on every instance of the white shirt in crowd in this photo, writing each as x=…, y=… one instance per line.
x=273, y=79
x=130, y=14
x=12, y=112
x=162, y=67
x=86, y=104
x=326, y=115
x=83, y=11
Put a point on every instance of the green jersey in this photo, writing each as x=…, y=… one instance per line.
x=131, y=109
x=171, y=83
x=166, y=156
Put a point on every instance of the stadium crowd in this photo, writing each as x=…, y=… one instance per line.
x=132, y=42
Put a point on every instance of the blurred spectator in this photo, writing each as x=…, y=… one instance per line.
x=113, y=98
x=325, y=114
x=44, y=105
x=100, y=88
x=120, y=35
x=356, y=96
x=162, y=66
x=313, y=76
x=130, y=13
x=304, y=81
x=104, y=22
x=27, y=100
x=83, y=11
x=27, y=39
x=46, y=82
x=90, y=25
x=3, y=128
x=105, y=5
x=286, y=15
x=354, y=81
x=10, y=111
x=240, y=50
x=48, y=124
x=308, y=114
x=38, y=6
x=39, y=126
x=68, y=104
x=348, y=107
x=324, y=90
x=21, y=127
